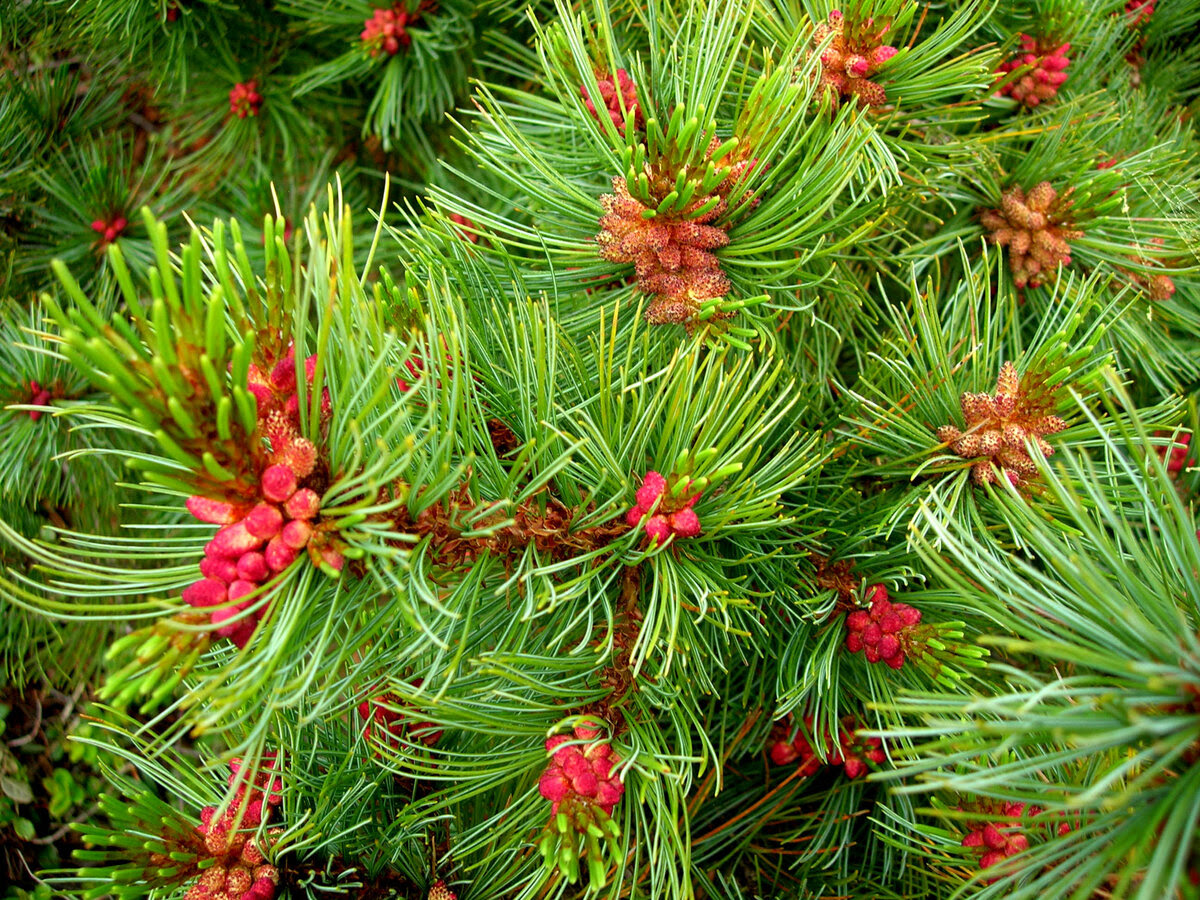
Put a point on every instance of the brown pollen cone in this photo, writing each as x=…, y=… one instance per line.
x=1035, y=229
x=672, y=256
x=1000, y=424
x=1157, y=287
x=673, y=253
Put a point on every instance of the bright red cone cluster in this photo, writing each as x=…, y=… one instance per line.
x=615, y=92
x=467, y=230
x=885, y=631
x=853, y=57
x=239, y=871
x=1042, y=81
x=386, y=724
x=672, y=516
x=244, y=99
x=439, y=891
x=581, y=773
x=109, y=230
x=998, y=841
x=849, y=750
x=260, y=540
x=387, y=30
x=1175, y=456
x=38, y=396
x=251, y=548
x=1138, y=12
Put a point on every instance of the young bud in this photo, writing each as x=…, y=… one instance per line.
x=304, y=504
x=296, y=534
x=279, y=555
x=209, y=592
x=216, y=512
x=232, y=541
x=264, y=521
x=253, y=567
x=278, y=483
x=220, y=568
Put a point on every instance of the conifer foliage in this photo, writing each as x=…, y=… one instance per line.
x=657, y=449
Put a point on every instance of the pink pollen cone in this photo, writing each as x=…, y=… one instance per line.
x=232, y=541
x=264, y=521
x=575, y=765
x=300, y=456
x=880, y=55
x=608, y=793
x=278, y=483
x=208, y=592
x=224, y=615
x=783, y=752
x=685, y=523
x=283, y=376
x=658, y=529
x=215, y=512
x=653, y=485
x=279, y=555
x=553, y=785
x=240, y=589
x=586, y=784
x=296, y=533
x=219, y=568
x=252, y=566
x=304, y=504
